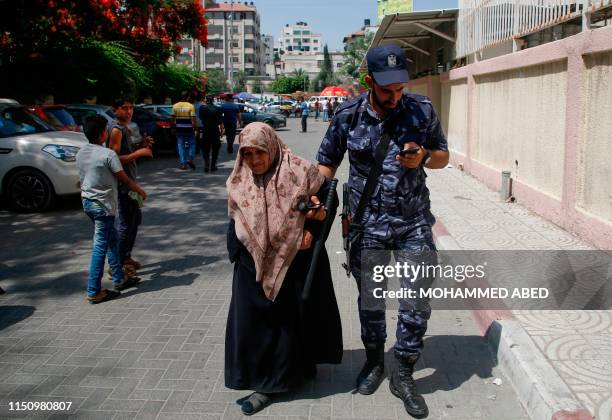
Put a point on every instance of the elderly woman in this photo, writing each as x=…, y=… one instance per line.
x=274, y=339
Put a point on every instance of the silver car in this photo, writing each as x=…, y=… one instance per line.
x=37, y=163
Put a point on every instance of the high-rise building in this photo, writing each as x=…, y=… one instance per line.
x=234, y=40
x=268, y=55
x=298, y=39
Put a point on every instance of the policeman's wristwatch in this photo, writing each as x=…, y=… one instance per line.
x=427, y=157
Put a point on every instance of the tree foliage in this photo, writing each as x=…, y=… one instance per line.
x=326, y=75
x=216, y=82
x=73, y=48
x=239, y=81
x=290, y=84
x=354, y=55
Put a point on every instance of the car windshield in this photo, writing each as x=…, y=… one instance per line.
x=110, y=113
x=16, y=121
x=59, y=117
x=165, y=110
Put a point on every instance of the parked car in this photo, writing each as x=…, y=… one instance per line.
x=81, y=111
x=37, y=162
x=164, y=109
x=8, y=101
x=158, y=126
x=56, y=115
x=250, y=114
x=280, y=107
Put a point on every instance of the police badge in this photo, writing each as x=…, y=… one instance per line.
x=392, y=60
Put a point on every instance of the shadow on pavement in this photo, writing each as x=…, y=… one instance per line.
x=455, y=359
x=10, y=315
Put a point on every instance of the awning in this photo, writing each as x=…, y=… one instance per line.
x=409, y=29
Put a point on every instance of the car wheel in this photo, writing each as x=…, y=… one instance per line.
x=270, y=123
x=29, y=191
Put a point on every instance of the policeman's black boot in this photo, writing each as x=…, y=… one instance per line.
x=402, y=385
x=373, y=371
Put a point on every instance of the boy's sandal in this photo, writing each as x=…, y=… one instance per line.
x=103, y=296
x=255, y=403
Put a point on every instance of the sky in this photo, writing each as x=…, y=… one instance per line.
x=333, y=19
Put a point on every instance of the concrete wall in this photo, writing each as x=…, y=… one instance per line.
x=548, y=108
x=453, y=114
x=516, y=124
x=594, y=183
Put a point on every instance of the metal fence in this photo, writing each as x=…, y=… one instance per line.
x=484, y=23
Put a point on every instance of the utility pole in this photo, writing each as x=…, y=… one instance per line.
x=231, y=38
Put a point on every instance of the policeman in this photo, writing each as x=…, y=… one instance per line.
x=397, y=217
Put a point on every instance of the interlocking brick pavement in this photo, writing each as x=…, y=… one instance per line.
x=157, y=352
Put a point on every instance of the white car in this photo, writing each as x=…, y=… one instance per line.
x=37, y=163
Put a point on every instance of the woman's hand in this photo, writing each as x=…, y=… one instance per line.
x=306, y=240
x=317, y=214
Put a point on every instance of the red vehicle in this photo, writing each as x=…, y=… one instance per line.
x=56, y=115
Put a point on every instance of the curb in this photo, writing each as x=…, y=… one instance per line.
x=542, y=392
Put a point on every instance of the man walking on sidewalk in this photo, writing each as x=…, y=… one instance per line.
x=231, y=119
x=211, y=118
x=403, y=132
x=184, y=121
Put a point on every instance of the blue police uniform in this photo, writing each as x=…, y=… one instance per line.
x=398, y=217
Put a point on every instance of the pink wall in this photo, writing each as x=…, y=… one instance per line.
x=572, y=49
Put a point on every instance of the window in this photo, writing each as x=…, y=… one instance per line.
x=306, y=40
x=306, y=32
x=316, y=41
x=234, y=44
x=338, y=65
x=297, y=32
x=235, y=59
x=214, y=58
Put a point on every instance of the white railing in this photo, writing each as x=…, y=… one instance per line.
x=484, y=23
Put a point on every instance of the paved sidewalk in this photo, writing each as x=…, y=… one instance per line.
x=578, y=344
x=157, y=352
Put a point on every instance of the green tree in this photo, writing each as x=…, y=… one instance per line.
x=239, y=81
x=258, y=87
x=216, y=82
x=326, y=74
x=354, y=55
x=289, y=84
x=74, y=48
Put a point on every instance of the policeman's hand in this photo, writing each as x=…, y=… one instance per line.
x=411, y=160
x=306, y=240
x=317, y=214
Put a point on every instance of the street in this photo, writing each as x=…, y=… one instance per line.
x=158, y=350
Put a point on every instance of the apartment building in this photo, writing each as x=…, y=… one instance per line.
x=299, y=38
x=234, y=41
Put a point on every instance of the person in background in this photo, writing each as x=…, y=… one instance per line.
x=231, y=119
x=303, y=107
x=197, y=104
x=212, y=119
x=324, y=109
x=330, y=109
x=184, y=122
x=317, y=106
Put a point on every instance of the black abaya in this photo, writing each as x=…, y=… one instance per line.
x=271, y=346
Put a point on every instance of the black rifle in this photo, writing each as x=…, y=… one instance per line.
x=346, y=226
x=329, y=202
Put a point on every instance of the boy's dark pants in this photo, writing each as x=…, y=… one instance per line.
x=128, y=220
